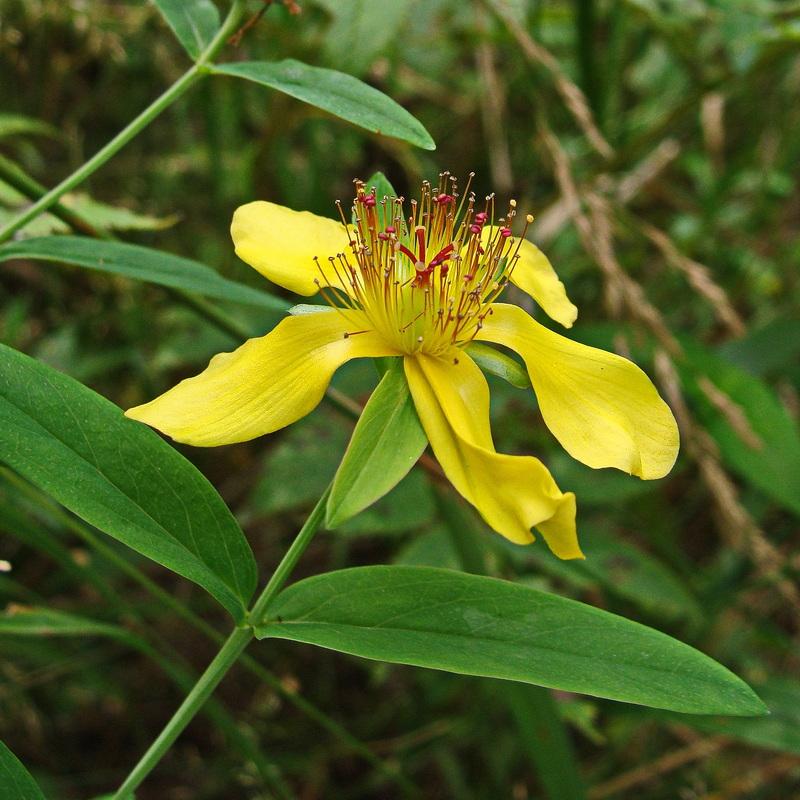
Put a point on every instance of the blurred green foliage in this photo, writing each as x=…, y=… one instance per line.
x=690, y=174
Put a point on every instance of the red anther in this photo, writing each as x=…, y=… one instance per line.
x=383, y=236
x=468, y=277
x=443, y=199
x=505, y=232
x=391, y=229
x=475, y=228
x=369, y=200
x=481, y=218
x=444, y=269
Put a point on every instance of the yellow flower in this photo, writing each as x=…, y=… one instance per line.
x=424, y=287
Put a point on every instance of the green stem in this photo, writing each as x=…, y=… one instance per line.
x=95, y=541
x=288, y=562
x=227, y=656
x=34, y=191
x=216, y=671
x=142, y=121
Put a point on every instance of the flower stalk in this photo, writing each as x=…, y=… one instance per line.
x=227, y=656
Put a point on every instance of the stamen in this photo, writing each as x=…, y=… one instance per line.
x=418, y=303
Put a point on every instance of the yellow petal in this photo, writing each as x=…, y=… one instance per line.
x=264, y=385
x=601, y=407
x=512, y=493
x=534, y=274
x=281, y=244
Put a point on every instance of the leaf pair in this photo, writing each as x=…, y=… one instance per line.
x=124, y=479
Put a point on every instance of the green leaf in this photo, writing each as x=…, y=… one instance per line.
x=341, y=95
x=773, y=348
x=19, y=125
x=299, y=468
x=619, y=568
x=432, y=549
x=100, y=215
x=606, y=488
x=139, y=263
x=194, y=22
x=757, y=437
x=387, y=441
x=114, y=218
x=383, y=188
x=121, y=477
x=485, y=626
x=544, y=736
x=36, y=621
x=635, y=575
x=16, y=781
x=497, y=363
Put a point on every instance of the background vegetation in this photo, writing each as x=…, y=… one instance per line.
x=656, y=143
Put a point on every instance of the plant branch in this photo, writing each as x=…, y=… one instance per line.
x=227, y=656
x=196, y=71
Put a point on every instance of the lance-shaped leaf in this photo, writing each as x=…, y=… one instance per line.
x=386, y=443
x=194, y=22
x=121, y=477
x=341, y=95
x=139, y=263
x=485, y=626
x=38, y=621
x=16, y=781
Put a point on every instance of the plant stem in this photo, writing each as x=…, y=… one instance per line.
x=208, y=681
x=163, y=102
x=95, y=540
x=288, y=562
x=227, y=656
x=33, y=190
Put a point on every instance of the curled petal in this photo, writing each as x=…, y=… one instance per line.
x=512, y=493
x=281, y=244
x=534, y=274
x=266, y=384
x=601, y=407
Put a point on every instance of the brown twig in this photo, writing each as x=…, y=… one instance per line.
x=572, y=96
x=702, y=748
x=622, y=188
x=699, y=277
x=596, y=236
x=291, y=6
x=735, y=523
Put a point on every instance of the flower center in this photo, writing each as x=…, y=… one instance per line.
x=427, y=281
